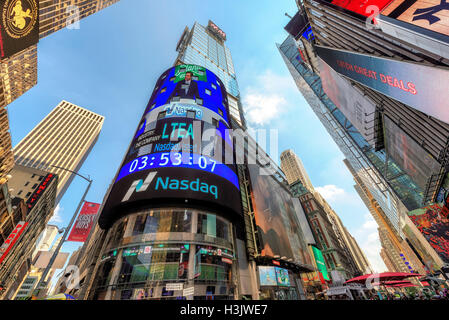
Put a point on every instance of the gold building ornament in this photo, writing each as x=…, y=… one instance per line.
x=19, y=17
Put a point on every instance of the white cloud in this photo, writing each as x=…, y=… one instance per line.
x=56, y=218
x=330, y=192
x=266, y=101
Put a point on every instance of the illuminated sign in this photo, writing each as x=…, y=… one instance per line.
x=216, y=30
x=32, y=200
x=276, y=262
x=267, y=276
x=282, y=277
x=423, y=88
x=11, y=240
x=19, y=26
x=429, y=14
x=361, y=8
x=179, y=150
x=321, y=265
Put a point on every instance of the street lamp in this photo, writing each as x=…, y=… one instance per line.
x=67, y=229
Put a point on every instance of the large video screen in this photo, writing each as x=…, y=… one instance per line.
x=409, y=155
x=180, y=151
x=278, y=228
x=433, y=222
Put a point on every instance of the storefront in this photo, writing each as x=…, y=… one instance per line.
x=172, y=254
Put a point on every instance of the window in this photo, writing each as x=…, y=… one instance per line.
x=27, y=183
x=191, y=114
x=220, y=112
x=28, y=194
x=215, y=123
x=19, y=193
x=208, y=92
x=162, y=115
x=34, y=186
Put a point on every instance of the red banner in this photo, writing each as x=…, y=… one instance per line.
x=84, y=222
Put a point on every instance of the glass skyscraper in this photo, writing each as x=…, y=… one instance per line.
x=204, y=47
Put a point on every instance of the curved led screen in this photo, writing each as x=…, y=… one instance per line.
x=182, y=150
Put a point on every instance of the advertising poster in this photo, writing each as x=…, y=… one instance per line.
x=321, y=265
x=427, y=14
x=179, y=151
x=409, y=155
x=278, y=228
x=267, y=276
x=8, y=244
x=433, y=222
x=360, y=7
x=84, y=222
x=357, y=108
x=421, y=87
x=282, y=277
x=19, y=25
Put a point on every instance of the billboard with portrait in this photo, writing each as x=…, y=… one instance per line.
x=356, y=107
x=278, y=228
x=433, y=222
x=19, y=26
x=282, y=277
x=179, y=149
x=408, y=154
x=421, y=87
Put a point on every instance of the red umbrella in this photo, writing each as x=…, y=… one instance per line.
x=382, y=277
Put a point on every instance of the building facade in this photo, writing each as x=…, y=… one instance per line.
x=39, y=196
x=294, y=170
x=64, y=138
x=205, y=46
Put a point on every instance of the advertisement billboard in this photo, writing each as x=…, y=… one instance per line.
x=282, y=277
x=19, y=26
x=433, y=222
x=84, y=222
x=8, y=244
x=37, y=193
x=421, y=87
x=267, y=276
x=429, y=14
x=179, y=149
x=408, y=154
x=277, y=225
x=357, y=108
x=362, y=8
x=297, y=25
x=321, y=265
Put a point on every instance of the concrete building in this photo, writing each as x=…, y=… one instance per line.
x=294, y=170
x=64, y=138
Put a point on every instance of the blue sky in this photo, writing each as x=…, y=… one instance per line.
x=111, y=63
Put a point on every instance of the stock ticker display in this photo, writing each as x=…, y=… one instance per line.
x=182, y=151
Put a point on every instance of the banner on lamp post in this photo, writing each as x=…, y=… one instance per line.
x=84, y=222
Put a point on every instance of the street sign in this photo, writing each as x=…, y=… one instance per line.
x=188, y=291
x=174, y=286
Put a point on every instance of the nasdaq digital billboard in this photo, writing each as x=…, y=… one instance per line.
x=19, y=26
x=180, y=151
x=421, y=87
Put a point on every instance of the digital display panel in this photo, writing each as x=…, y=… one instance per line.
x=267, y=276
x=363, y=8
x=433, y=222
x=278, y=228
x=282, y=277
x=182, y=149
x=409, y=155
x=19, y=26
x=421, y=87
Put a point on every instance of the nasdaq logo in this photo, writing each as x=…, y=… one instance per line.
x=139, y=185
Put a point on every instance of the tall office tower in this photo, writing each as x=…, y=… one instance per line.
x=358, y=254
x=294, y=170
x=388, y=262
x=37, y=190
x=63, y=138
x=205, y=46
x=394, y=191
x=394, y=244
